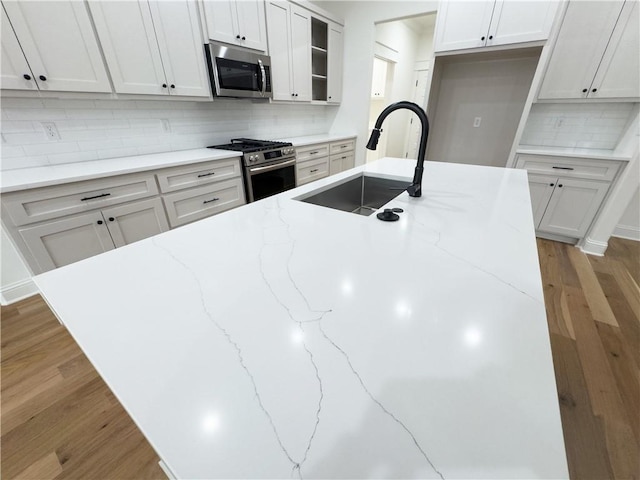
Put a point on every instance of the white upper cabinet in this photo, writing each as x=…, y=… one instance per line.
x=129, y=43
x=474, y=24
x=59, y=44
x=334, y=72
x=596, y=53
x=14, y=72
x=237, y=22
x=152, y=47
x=289, y=34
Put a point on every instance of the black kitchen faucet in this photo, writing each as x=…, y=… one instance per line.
x=415, y=189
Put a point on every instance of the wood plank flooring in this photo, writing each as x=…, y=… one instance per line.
x=59, y=420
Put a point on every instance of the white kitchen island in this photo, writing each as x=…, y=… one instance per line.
x=283, y=339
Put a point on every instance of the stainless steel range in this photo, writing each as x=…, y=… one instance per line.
x=269, y=167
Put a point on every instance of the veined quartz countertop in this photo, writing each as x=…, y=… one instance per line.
x=573, y=152
x=313, y=139
x=283, y=339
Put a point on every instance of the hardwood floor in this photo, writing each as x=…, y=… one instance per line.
x=59, y=419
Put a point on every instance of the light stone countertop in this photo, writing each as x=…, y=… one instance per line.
x=573, y=152
x=24, y=178
x=288, y=340
x=313, y=139
x=34, y=177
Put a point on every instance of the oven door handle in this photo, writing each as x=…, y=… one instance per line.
x=263, y=90
x=272, y=167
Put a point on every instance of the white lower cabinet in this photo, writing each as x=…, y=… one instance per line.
x=186, y=206
x=341, y=162
x=70, y=239
x=60, y=224
x=135, y=221
x=67, y=240
x=572, y=206
x=566, y=193
x=323, y=159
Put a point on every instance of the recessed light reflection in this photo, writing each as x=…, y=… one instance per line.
x=472, y=337
x=297, y=336
x=403, y=309
x=211, y=422
x=346, y=287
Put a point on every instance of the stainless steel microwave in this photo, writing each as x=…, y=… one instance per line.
x=238, y=73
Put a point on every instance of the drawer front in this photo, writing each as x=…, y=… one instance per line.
x=569, y=167
x=340, y=147
x=30, y=206
x=310, y=152
x=177, y=178
x=312, y=170
x=189, y=205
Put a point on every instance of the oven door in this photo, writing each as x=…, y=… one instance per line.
x=267, y=180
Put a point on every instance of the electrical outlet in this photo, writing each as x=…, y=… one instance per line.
x=51, y=131
x=476, y=122
x=166, y=126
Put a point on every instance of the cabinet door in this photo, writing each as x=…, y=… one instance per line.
x=135, y=221
x=221, y=17
x=251, y=24
x=279, y=35
x=58, y=40
x=619, y=73
x=540, y=189
x=581, y=43
x=301, y=53
x=177, y=28
x=14, y=65
x=573, y=206
x=334, y=72
x=130, y=47
x=71, y=239
x=462, y=24
x=379, y=78
x=515, y=22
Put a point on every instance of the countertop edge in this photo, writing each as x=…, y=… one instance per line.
x=574, y=153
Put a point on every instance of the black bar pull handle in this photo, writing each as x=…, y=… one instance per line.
x=562, y=168
x=206, y=174
x=212, y=200
x=96, y=196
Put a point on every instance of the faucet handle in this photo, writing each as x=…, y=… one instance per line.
x=415, y=190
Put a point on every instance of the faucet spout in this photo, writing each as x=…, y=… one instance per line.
x=415, y=189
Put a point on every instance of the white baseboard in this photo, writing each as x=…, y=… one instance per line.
x=17, y=291
x=593, y=247
x=627, y=231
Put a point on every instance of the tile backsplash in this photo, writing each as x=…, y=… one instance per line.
x=86, y=130
x=581, y=125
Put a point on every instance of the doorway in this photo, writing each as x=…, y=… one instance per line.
x=403, y=51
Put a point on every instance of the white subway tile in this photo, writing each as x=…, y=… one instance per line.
x=117, y=152
x=22, y=103
x=73, y=157
x=89, y=113
x=68, y=103
x=105, y=144
x=10, y=151
x=51, y=148
x=39, y=114
x=28, y=138
x=70, y=125
x=107, y=124
x=24, y=162
x=17, y=126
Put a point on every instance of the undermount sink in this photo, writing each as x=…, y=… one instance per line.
x=362, y=195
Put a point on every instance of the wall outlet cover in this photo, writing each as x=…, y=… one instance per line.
x=51, y=131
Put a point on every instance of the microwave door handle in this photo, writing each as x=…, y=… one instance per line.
x=263, y=90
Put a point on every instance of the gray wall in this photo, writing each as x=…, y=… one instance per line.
x=492, y=87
